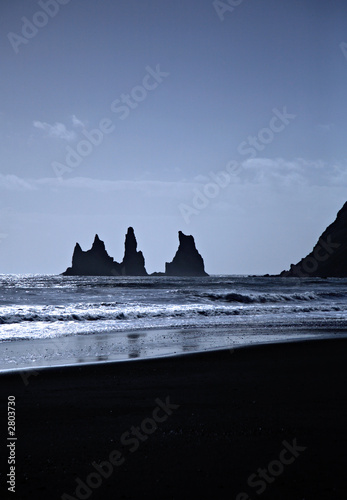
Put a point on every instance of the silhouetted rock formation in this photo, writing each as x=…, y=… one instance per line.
x=97, y=262
x=133, y=262
x=329, y=256
x=187, y=261
x=93, y=262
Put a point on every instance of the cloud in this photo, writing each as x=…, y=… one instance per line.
x=254, y=172
x=14, y=183
x=280, y=172
x=146, y=188
x=76, y=122
x=58, y=130
x=150, y=188
x=325, y=127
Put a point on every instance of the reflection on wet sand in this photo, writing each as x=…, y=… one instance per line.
x=120, y=346
x=190, y=340
x=85, y=352
x=134, y=345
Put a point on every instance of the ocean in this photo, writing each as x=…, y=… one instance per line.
x=50, y=320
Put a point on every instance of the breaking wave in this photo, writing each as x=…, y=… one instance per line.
x=111, y=312
x=254, y=298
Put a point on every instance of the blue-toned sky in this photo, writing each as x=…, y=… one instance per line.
x=226, y=120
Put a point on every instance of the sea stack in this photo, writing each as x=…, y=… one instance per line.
x=329, y=256
x=187, y=261
x=97, y=262
x=93, y=262
x=133, y=262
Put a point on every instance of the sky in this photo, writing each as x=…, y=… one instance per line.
x=225, y=120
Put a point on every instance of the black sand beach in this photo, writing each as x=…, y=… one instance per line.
x=263, y=422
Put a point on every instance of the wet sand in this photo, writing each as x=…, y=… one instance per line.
x=263, y=422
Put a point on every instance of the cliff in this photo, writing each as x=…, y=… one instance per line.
x=187, y=260
x=329, y=256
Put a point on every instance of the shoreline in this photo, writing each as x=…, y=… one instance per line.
x=42, y=346
x=234, y=412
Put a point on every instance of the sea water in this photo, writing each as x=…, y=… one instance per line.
x=49, y=320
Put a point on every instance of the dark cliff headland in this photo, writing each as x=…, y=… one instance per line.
x=329, y=256
x=97, y=262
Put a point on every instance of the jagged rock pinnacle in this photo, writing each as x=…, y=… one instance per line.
x=187, y=261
